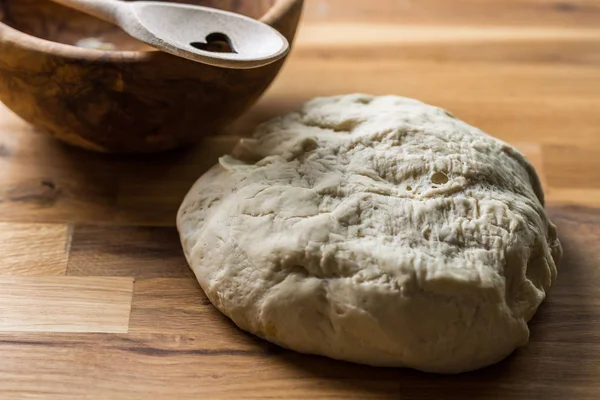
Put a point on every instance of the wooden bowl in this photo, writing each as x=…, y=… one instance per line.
x=129, y=99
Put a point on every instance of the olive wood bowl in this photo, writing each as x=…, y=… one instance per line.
x=129, y=98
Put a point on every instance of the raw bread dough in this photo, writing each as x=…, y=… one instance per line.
x=377, y=230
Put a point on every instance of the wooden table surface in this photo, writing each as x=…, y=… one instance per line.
x=96, y=299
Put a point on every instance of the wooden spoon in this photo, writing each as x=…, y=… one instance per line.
x=202, y=34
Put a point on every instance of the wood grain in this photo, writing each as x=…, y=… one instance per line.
x=169, y=305
x=587, y=197
x=34, y=249
x=572, y=167
x=139, y=252
x=65, y=304
x=519, y=13
x=96, y=300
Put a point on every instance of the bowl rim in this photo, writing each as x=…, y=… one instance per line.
x=40, y=45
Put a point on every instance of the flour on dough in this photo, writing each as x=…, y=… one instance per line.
x=377, y=230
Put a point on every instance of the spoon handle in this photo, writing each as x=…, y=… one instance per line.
x=108, y=10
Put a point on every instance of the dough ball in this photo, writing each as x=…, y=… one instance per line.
x=376, y=230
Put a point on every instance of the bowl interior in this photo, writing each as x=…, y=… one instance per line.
x=50, y=21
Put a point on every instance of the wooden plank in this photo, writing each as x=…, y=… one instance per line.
x=65, y=304
x=169, y=366
x=359, y=35
x=33, y=249
x=567, y=13
x=571, y=171
x=170, y=305
x=178, y=306
x=130, y=367
x=572, y=167
x=585, y=197
x=139, y=252
x=524, y=51
x=42, y=192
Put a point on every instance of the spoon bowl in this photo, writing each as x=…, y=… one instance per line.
x=191, y=31
x=250, y=44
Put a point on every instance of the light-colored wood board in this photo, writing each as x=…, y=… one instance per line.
x=566, y=13
x=359, y=35
x=572, y=166
x=34, y=249
x=65, y=304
